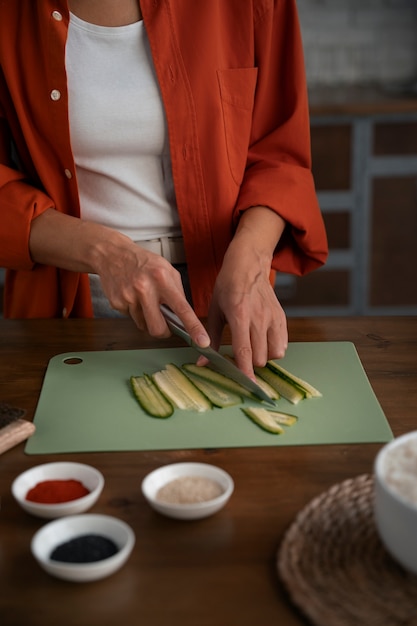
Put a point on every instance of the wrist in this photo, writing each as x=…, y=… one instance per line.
x=258, y=232
x=106, y=247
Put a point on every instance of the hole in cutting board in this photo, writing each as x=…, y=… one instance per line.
x=73, y=360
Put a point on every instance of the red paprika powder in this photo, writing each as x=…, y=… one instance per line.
x=56, y=491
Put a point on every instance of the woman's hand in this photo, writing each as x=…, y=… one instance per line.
x=243, y=296
x=135, y=281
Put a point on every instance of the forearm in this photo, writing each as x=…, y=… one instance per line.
x=71, y=243
x=258, y=233
x=135, y=281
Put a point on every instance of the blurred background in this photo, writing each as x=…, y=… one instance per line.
x=359, y=41
x=361, y=64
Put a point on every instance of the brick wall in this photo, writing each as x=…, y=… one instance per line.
x=359, y=41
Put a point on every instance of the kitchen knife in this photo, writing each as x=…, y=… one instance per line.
x=219, y=362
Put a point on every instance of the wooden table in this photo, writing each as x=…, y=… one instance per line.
x=218, y=571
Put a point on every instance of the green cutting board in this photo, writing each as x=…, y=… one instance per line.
x=89, y=406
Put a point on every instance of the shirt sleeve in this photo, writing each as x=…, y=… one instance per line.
x=20, y=203
x=278, y=170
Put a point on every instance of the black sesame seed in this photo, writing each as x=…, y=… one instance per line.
x=84, y=549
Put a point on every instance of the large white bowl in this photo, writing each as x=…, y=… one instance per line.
x=163, y=475
x=395, y=513
x=61, y=530
x=91, y=478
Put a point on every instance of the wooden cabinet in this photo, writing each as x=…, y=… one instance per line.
x=365, y=168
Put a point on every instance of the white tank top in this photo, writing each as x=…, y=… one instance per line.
x=118, y=131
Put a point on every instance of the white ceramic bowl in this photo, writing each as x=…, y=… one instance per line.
x=395, y=510
x=163, y=475
x=91, y=478
x=62, y=530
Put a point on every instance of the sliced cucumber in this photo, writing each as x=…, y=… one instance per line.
x=216, y=378
x=270, y=420
x=217, y=395
x=305, y=387
x=263, y=418
x=149, y=397
x=179, y=390
x=286, y=389
x=285, y=419
x=266, y=387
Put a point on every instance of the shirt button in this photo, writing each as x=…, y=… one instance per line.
x=57, y=16
x=68, y=174
x=55, y=94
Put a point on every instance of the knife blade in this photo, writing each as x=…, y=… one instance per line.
x=218, y=362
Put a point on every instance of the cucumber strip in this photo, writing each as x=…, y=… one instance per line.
x=149, y=397
x=262, y=418
x=285, y=419
x=269, y=390
x=179, y=390
x=286, y=389
x=304, y=386
x=266, y=387
x=218, y=396
x=218, y=379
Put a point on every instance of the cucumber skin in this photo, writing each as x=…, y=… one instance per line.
x=270, y=420
x=151, y=409
x=213, y=392
x=306, y=388
x=256, y=416
x=285, y=388
x=174, y=378
x=214, y=377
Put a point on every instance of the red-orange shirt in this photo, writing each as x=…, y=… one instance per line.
x=232, y=79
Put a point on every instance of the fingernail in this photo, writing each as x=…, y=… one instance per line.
x=203, y=340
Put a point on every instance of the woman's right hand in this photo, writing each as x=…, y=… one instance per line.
x=135, y=281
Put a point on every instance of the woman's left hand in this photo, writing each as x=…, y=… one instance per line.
x=243, y=296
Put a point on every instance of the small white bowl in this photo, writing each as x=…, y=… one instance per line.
x=91, y=478
x=62, y=530
x=163, y=475
x=395, y=510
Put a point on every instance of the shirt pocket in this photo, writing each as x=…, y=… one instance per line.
x=237, y=94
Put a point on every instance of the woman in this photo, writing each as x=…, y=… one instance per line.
x=172, y=120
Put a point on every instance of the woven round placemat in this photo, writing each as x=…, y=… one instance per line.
x=335, y=568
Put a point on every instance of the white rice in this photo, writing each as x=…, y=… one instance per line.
x=400, y=470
